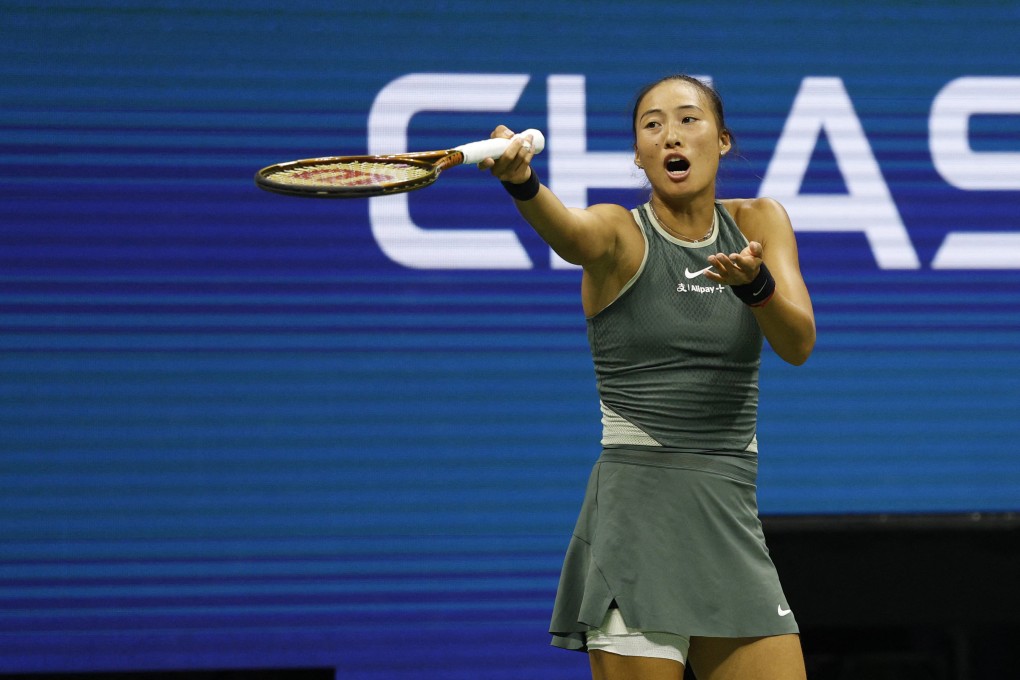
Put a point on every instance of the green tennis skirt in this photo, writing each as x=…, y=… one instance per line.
x=674, y=539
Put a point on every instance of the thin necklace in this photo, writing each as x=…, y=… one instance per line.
x=680, y=236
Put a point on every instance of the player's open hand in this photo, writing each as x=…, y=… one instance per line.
x=736, y=269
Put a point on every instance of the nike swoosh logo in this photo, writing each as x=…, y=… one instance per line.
x=784, y=612
x=691, y=275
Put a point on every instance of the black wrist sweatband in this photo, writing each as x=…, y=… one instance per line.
x=759, y=291
x=526, y=190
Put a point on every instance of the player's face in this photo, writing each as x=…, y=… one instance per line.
x=679, y=142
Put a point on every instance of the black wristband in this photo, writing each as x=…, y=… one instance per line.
x=759, y=291
x=526, y=190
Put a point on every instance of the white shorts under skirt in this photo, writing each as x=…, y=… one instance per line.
x=615, y=637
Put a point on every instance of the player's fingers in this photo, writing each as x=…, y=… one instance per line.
x=502, y=131
x=524, y=151
x=742, y=268
x=750, y=260
x=513, y=165
x=732, y=269
x=528, y=145
x=722, y=263
x=516, y=157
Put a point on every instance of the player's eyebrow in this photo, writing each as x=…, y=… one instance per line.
x=678, y=108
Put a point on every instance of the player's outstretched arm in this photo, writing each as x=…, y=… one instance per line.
x=583, y=237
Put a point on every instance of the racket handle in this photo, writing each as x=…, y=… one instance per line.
x=476, y=152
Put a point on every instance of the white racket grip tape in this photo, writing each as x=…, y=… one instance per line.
x=476, y=152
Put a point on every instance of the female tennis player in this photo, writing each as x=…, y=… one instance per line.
x=668, y=564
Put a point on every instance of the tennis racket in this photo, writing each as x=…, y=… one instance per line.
x=362, y=176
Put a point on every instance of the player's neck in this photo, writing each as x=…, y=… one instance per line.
x=688, y=221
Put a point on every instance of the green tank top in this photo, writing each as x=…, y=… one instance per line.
x=676, y=355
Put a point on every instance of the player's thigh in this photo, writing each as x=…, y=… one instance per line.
x=777, y=657
x=609, y=666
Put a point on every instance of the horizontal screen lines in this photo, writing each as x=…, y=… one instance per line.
x=144, y=439
x=235, y=616
x=150, y=162
x=405, y=561
x=248, y=546
x=330, y=469
x=106, y=528
x=197, y=146
x=346, y=489
x=406, y=281
x=340, y=321
x=288, y=365
x=169, y=178
x=343, y=588
x=172, y=388
x=290, y=320
x=274, y=121
x=508, y=305
x=162, y=394
x=363, y=339
x=336, y=413
x=933, y=339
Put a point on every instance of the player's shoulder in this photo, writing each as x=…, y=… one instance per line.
x=761, y=208
x=758, y=217
x=626, y=244
x=612, y=217
x=610, y=211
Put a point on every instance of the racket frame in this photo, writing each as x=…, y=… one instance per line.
x=432, y=161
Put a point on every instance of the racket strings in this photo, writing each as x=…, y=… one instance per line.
x=348, y=174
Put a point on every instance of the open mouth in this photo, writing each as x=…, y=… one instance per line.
x=677, y=165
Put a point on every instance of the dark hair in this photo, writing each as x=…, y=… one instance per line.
x=707, y=90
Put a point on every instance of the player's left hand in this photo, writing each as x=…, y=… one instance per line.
x=736, y=269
